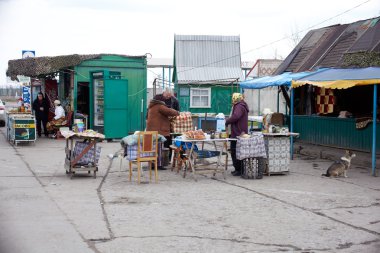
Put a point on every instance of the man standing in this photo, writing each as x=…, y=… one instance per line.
x=41, y=108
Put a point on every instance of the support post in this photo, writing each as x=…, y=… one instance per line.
x=170, y=76
x=258, y=102
x=291, y=121
x=163, y=78
x=374, y=130
x=278, y=100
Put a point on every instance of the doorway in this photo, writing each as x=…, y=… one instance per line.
x=83, y=98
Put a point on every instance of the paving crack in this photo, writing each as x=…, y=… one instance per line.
x=102, y=201
x=346, y=207
x=289, y=246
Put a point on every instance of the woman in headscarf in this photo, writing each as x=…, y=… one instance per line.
x=239, y=125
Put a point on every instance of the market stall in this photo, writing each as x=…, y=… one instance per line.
x=84, y=155
x=21, y=127
x=195, y=155
x=277, y=146
x=344, y=79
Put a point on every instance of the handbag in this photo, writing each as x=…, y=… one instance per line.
x=182, y=123
x=253, y=168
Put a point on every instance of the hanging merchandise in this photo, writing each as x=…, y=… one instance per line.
x=325, y=101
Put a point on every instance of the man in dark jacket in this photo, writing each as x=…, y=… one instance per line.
x=41, y=108
x=239, y=125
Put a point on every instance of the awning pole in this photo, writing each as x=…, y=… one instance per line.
x=374, y=130
x=291, y=121
x=278, y=100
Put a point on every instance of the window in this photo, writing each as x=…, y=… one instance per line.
x=200, y=97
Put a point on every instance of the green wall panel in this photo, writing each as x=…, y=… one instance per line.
x=335, y=132
x=220, y=100
x=132, y=69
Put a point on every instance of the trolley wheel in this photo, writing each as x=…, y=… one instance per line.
x=89, y=172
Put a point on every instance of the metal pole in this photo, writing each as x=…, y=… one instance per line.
x=258, y=103
x=170, y=75
x=291, y=121
x=374, y=130
x=163, y=77
x=278, y=100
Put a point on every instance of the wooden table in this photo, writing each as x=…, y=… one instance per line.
x=205, y=168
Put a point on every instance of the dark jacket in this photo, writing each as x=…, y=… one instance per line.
x=158, y=117
x=238, y=119
x=37, y=104
x=171, y=102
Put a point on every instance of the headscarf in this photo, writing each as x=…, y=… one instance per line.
x=237, y=97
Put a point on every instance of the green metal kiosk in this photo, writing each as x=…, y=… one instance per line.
x=109, y=103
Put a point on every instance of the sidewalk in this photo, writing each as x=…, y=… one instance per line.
x=362, y=159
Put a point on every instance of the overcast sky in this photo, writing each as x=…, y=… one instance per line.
x=52, y=27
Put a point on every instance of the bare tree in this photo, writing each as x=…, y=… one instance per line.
x=295, y=36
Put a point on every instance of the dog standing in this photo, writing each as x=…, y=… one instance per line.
x=340, y=167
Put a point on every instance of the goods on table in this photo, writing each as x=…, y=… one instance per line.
x=88, y=133
x=196, y=135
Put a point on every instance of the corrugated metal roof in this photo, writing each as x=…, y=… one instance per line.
x=207, y=59
x=325, y=47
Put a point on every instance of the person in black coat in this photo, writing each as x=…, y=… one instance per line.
x=41, y=108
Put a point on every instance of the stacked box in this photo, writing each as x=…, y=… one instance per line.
x=278, y=153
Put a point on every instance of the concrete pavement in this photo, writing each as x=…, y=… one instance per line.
x=42, y=210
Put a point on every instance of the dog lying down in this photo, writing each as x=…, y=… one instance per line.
x=340, y=167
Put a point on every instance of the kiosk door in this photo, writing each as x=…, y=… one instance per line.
x=116, y=121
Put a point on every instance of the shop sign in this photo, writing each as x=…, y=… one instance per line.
x=26, y=95
x=30, y=125
x=28, y=53
x=24, y=130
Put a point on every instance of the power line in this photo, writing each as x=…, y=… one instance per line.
x=276, y=41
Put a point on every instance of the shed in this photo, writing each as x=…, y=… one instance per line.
x=114, y=109
x=206, y=71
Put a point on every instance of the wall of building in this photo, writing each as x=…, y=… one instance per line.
x=132, y=69
x=220, y=99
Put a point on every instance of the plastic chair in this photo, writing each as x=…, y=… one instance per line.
x=147, y=151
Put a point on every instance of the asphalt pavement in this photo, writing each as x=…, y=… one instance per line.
x=43, y=210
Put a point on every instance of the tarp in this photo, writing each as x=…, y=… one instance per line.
x=340, y=78
x=278, y=80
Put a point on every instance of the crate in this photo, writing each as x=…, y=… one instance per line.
x=253, y=168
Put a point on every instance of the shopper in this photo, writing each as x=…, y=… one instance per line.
x=41, y=110
x=239, y=125
x=168, y=98
x=170, y=101
x=158, y=118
